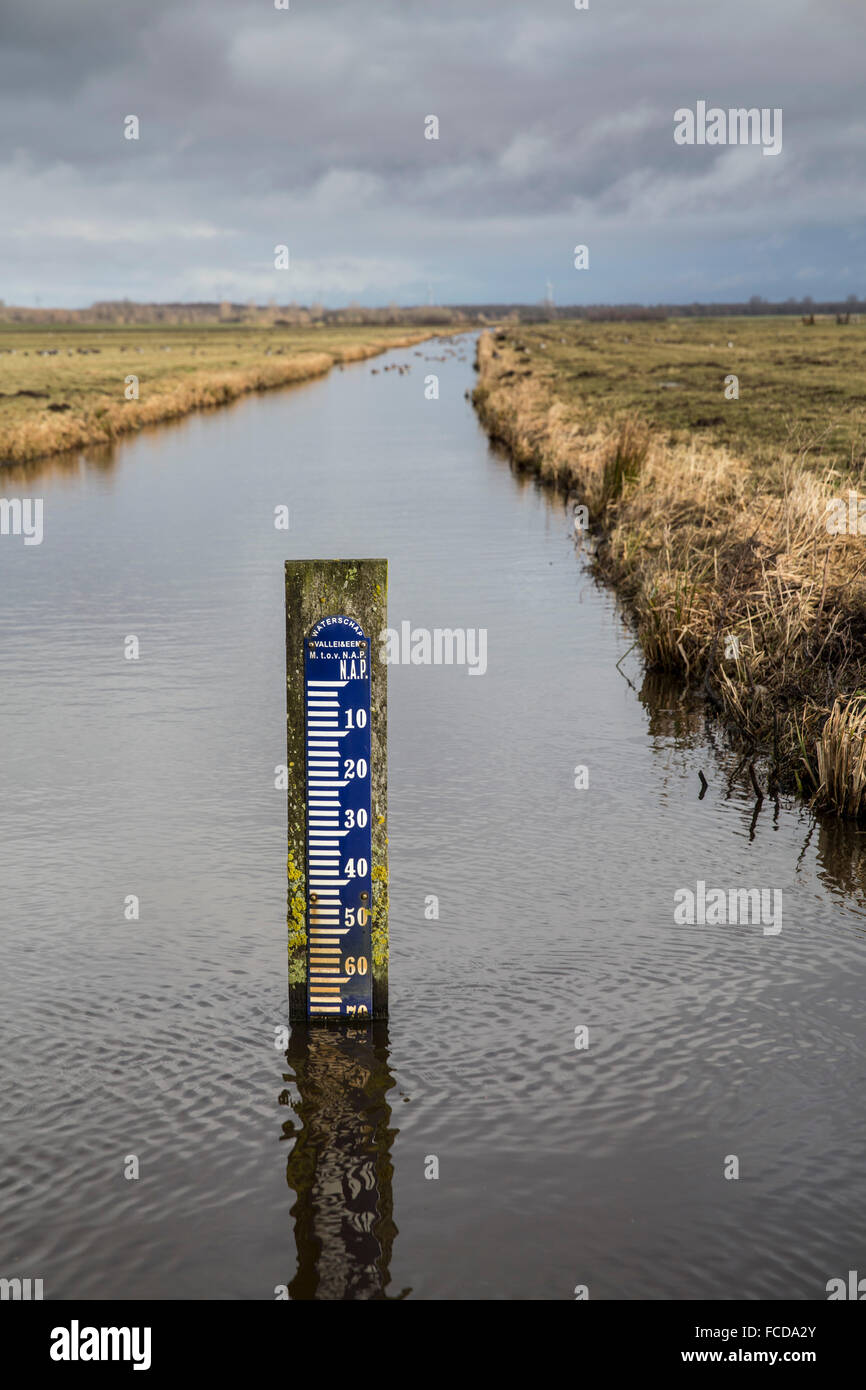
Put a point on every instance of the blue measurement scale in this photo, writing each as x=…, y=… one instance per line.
x=339, y=814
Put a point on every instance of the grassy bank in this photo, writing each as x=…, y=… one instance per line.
x=710, y=514
x=66, y=387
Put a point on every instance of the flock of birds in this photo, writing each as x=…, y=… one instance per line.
x=403, y=367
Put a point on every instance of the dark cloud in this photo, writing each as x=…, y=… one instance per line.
x=306, y=126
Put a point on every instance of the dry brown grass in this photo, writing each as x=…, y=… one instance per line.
x=729, y=571
x=841, y=757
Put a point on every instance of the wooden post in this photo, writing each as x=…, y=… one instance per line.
x=336, y=704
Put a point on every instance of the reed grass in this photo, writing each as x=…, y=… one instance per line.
x=722, y=553
x=841, y=754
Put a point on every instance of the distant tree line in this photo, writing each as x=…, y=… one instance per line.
x=756, y=307
x=127, y=311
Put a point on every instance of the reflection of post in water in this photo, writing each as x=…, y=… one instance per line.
x=340, y=1166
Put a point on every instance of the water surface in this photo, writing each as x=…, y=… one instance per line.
x=156, y=1037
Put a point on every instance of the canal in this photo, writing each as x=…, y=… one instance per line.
x=582, y=1067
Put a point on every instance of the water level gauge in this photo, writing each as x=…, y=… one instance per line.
x=339, y=832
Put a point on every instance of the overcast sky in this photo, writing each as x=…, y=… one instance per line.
x=305, y=127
